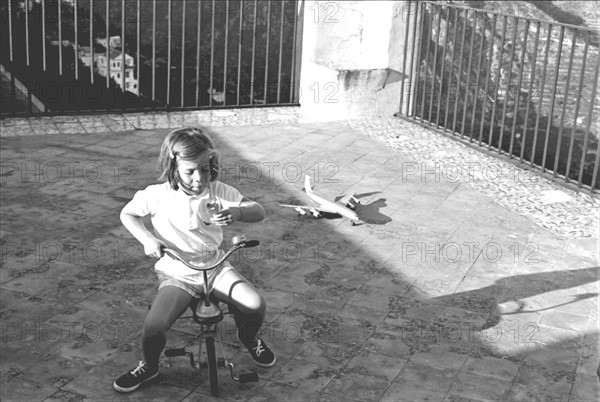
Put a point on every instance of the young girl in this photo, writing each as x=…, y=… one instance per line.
x=183, y=222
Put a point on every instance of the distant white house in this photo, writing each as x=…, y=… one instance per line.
x=114, y=63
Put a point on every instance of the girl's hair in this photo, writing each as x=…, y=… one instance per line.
x=186, y=144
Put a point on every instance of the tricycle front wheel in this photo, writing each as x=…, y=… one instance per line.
x=212, y=366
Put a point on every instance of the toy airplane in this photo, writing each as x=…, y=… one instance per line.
x=327, y=206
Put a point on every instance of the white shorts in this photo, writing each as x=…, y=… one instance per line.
x=193, y=284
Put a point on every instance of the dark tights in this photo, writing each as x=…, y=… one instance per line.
x=248, y=305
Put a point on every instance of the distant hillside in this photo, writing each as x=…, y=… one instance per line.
x=580, y=13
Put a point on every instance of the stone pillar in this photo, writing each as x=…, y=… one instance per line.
x=352, y=58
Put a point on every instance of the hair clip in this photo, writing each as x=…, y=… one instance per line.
x=171, y=155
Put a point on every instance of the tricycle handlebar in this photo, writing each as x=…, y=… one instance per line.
x=238, y=242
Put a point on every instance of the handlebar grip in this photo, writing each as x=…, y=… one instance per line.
x=249, y=377
x=175, y=352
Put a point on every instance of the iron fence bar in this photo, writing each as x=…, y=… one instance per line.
x=530, y=88
x=595, y=174
x=295, y=69
x=404, y=57
x=29, y=102
x=10, y=40
x=497, y=83
x=587, y=132
x=60, y=58
x=92, y=53
x=409, y=95
x=13, y=95
x=419, y=45
x=437, y=39
x=541, y=90
x=577, y=103
x=240, y=33
x=442, y=70
x=267, y=50
x=280, y=51
x=26, y=32
x=508, y=81
x=426, y=67
x=139, y=43
x=477, y=77
x=253, y=53
x=469, y=65
x=44, y=33
x=226, y=52
x=198, y=34
x=107, y=44
x=518, y=90
x=454, y=34
x=123, y=60
x=487, y=76
x=168, y=102
x=565, y=100
x=553, y=98
x=212, y=55
x=183, y=54
x=460, y=65
x=153, y=49
x=76, y=49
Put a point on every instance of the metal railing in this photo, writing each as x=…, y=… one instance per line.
x=65, y=56
x=517, y=87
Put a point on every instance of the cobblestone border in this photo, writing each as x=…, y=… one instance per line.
x=561, y=210
x=89, y=124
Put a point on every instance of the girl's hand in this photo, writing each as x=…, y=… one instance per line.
x=226, y=217
x=153, y=248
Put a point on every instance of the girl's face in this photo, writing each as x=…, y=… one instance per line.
x=194, y=175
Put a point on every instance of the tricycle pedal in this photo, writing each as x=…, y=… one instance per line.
x=248, y=377
x=175, y=352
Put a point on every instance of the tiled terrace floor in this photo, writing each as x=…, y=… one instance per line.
x=471, y=287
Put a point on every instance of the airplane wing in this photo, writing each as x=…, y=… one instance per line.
x=311, y=208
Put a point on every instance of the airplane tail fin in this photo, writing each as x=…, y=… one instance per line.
x=307, y=186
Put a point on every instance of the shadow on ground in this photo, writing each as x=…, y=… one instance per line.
x=354, y=313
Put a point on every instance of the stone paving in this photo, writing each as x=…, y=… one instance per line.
x=451, y=290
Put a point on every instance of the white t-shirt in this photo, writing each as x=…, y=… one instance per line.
x=183, y=223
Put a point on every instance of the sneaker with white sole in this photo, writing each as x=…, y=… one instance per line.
x=260, y=352
x=131, y=380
